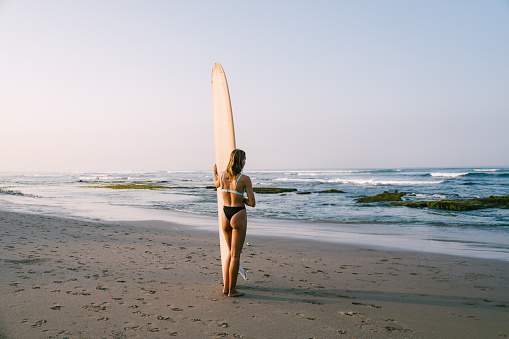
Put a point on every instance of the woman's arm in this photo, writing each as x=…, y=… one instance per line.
x=250, y=200
x=216, y=177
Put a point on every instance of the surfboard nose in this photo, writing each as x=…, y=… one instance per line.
x=217, y=68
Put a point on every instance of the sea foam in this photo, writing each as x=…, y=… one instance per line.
x=448, y=175
x=486, y=170
x=364, y=182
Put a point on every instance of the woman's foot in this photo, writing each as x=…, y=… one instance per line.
x=226, y=292
x=235, y=293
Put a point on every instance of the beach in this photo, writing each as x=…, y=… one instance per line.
x=72, y=278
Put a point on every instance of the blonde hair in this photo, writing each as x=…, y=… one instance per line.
x=235, y=165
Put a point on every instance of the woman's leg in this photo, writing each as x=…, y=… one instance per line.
x=227, y=231
x=238, y=236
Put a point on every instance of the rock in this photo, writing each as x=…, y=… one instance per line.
x=139, y=186
x=331, y=191
x=460, y=204
x=272, y=190
x=385, y=196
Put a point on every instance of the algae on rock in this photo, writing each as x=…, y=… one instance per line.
x=138, y=186
x=331, y=191
x=273, y=190
x=266, y=190
x=385, y=196
x=460, y=204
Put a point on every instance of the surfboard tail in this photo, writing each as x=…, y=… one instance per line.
x=242, y=273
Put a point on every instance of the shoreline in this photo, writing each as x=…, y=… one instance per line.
x=66, y=277
x=463, y=242
x=322, y=217
x=352, y=234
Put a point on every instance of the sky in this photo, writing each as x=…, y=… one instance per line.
x=92, y=85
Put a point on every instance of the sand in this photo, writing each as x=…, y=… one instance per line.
x=65, y=278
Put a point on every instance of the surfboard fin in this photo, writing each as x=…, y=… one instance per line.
x=242, y=273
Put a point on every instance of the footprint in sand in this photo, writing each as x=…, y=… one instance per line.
x=463, y=316
x=82, y=292
x=483, y=288
x=393, y=328
x=34, y=323
x=96, y=307
x=370, y=305
x=133, y=328
x=353, y=314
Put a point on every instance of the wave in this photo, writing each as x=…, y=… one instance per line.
x=182, y=171
x=44, y=175
x=317, y=173
x=390, y=182
x=364, y=182
x=486, y=170
x=326, y=172
x=101, y=177
x=17, y=193
x=422, y=196
x=448, y=175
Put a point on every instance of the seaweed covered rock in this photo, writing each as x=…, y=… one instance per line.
x=331, y=191
x=460, y=204
x=414, y=204
x=501, y=201
x=455, y=205
x=385, y=196
x=327, y=191
x=133, y=186
x=450, y=205
x=265, y=190
x=138, y=186
x=273, y=190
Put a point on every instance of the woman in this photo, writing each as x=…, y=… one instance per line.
x=233, y=185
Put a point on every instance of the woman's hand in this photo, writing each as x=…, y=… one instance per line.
x=216, y=177
x=250, y=201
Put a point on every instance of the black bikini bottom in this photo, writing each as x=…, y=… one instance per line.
x=231, y=211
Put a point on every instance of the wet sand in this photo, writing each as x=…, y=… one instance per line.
x=65, y=278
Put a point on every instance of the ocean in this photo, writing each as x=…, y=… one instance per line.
x=304, y=213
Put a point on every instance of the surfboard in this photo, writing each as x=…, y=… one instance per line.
x=224, y=143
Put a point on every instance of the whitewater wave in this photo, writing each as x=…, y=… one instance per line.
x=317, y=173
x=18, y=193
x=486, y=170
x=364, y=182
x=100, y=177
x=448, y=175
x=390, y=182
x=325, y=172
x=422, y=196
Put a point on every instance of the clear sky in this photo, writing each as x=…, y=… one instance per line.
x=93, y=85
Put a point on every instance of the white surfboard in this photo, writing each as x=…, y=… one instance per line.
x=224, y=141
